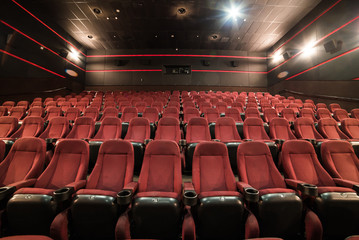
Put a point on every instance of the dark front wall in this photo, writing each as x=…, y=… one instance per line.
x=159, y=78
x=22, y=80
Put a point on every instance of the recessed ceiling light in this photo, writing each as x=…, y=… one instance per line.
x=90, y=36
x=108, y=18
x=181, y=10
x=176, y=49
x=114, y=36
x=116, y=18
x=233, y=12
x=42, y=48
x=238, y=38
x=172, y=36
x=245, y=19
x=156, y=36
x=97, y=11
x=197, y=36
x=118, y=10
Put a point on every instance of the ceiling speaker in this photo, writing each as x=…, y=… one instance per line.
x=206, y=63
x=122, y=62
x=333, y=46
x=235, y=63
x=287, y=55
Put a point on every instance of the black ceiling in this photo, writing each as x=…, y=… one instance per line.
x=157, y=24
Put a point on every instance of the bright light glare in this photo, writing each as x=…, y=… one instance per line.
x=309, y=49
x=233, y=12
x=277, y=57
x=74, y=55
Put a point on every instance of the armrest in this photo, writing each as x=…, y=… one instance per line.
x=347, y=183
x=305, y=188
x=250, y=194
x=190, y=196
x=63, y=194
x=77, y=185
x=279, y=141
x=216, y=140
x=51, y=140
x=292, y=183
x=182, y=142
x=24, y=183
x=131, y=186
x=147, y=141
x=124, y=197
x=312, y=141
x=6, y=192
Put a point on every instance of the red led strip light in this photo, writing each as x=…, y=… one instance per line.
x=127, y=70
x=17, y=30
x=34, y=64
x=356, y=78
x=177, y=55
x=52, y=30
x=228, y=71
x=318, y=41
x=320, y=64
x=290, y=39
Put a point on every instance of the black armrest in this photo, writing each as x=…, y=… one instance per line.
x=63, y=194
x=312, y=141
x=279, y=141
x=124, y=197
x=355, y=188
x=308, y=189
x=6, y=192
x=147, y=141
x=190, y=198
x=182, y=142
x=251, y=194
x=51, y=140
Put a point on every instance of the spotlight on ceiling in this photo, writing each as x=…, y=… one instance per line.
x=233, y=12
x=309, y=49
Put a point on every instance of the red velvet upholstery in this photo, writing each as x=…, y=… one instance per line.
x=329, y=129
x=339, y=160
x=72, y=113
x=58, y=127
x=138, y=130
x=197, y=130
x=113, y=169
x=109, y=112
x=340, y=114
x=151, y=114
x=84, y=127
x=7, y=126
x=211, y=114
x=190, y=112
x=171, y=112
x=68, y=165
x=9, y=104
x=3, y=111
x=81, y=106
x=65, y=105
x=252, y=113
x=269, y=114
x=238, y=106
x=234, y=113
x=321, y=105
x=158, y=105
x=323, y=113
x=289, y=114
x=168, y=129
x=2, y=150
x=226, y=130
x=31, y=127
x=334, y=106
x=128, y=114
x=161, y=169
x=300, y=162
x=304, y=129
x=111, y=128
x=36, y=112
x=174, y=103
x=24, y=161
x=140, y=106
x=253, y=129
x=309, y=106
x=91, y=112
x=53, y=112
x=309, y=113
x=17, y=112
x=211, y=170
x=221, y=107
x=279, y=107
x=350, y=127
x=279, y=129
x=355, y=113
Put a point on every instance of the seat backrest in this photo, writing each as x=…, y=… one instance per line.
x=334, y=106
x=8, y=125
x=68, y=164
x=279, y=107
x=340, y=114
x=114, y=166
x=253, y=129
x=355, y=113
x=141, y=106
x=329, y=129
x=161, y=168
x=309, y=105
x=138, y=130
x=58, y=127
x=158, y=105
x=18, y=112
x=239, y=106
x=226, y=130
x=211, y=170
x=65, y=105
x=109, y=112
x=168, y=129
x=233, y=113
x=197, y=130
x=350, y=127
x=31, y=127
x=321, y=105
x=340, y=160
x=111, y=128
x=279, y=129
x=24, y=161
x=211, y=114
x=53, y=112
x=72, y=113
x=221, y=106
x=323, y=113
x=269, y=114
x=171, y=112
x=252, y=112
x=91, y=112
x=129, y=113
x=151, y=114
x=36, y=112
x=24, y=104
x=308, y=113
x=3, y=111
x=9, y=104
x=84, y=127
x=289, y=114
x=256, y=166
x=189, y=113
x=300, y=162
x=304, y=129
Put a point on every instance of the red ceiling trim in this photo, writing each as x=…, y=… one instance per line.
x=52, y=30
x=318, y=41
x=29, y=62
x=27, y=36
x=325, y=62
x=127, y=70
x=177, y=55
x=228, y=71
x=290, y=39
x=356, y=78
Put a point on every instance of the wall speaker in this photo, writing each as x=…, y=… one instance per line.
x=333, y=46
x=63, y=53
x=206, y=63
x=235, y=63
x=122, y=62
x=287, y=55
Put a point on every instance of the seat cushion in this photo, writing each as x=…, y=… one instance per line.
x=218, y=194
x=42, y=191
x=334, y=189
x=275, y=190
x=96, y=192
x=157, y=194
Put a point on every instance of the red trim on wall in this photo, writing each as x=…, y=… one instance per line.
x=177, y=55
x=290, y=39
x=127, y=70
x=320, y=64
x=52, y=30
x=356, y=78
x=27, y=36
x=34, y=64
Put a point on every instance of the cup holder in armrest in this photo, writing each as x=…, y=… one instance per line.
x=308, y=189
x=251, y=194
x=279, y=141
x=63, y=194
x=190, y=198
x=147, y=141
x=6, y=192
x=124, y=197
x=182, y=142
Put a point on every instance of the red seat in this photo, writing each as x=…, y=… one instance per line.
x=31, y=127
x=53, y=112
x=2, y=150
x=279, y=107
x=65, y=105
x=171, y=112
x=197, y=130
x=234, y=113
x=138, y=130
x=279, y=129
x=58, y=127
x=72, y=113
x=323, y=113
x=141, y=106
x=252, y=113
x=168, y=129
x=211, y=114
x=321, y=105
x=190, y=112
x=269, y=114
x=151, y=114
x=221, y=106
x=27, y=237
x=36, y=112
x=238, y=106
x=309, y=106
x=3, y=111
x=31, y=210
x=253, y=129
x=329, y=129
x=17, y=112
x=128, y=114
x=8, y=125
x=304, y=129
x=84, y=128
x=8, y=104
x=340, y=114
x=350, y=127
x=81, y=106
x=308, y=113
x=158, y=105
x=91, y=112
x=111, y=128
x=355, y=113
x=24, y=104
x=289, y=114
x=334, y=106
x=109, y=112
x=226, y=131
